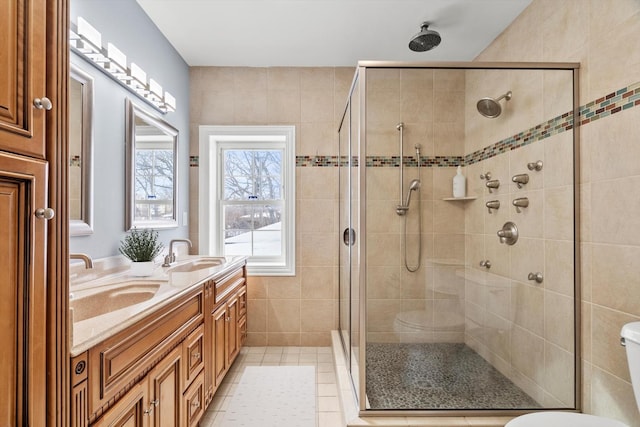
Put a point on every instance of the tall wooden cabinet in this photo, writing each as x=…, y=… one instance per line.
x=29, y=67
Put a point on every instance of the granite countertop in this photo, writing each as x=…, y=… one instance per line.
x=92, y=292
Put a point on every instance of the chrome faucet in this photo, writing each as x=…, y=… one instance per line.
x=88, y=263
x=171, y=257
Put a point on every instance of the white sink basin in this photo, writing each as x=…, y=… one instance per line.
x=198, y=264
x=112, y=297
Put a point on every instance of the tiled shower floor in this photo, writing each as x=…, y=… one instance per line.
x=437, y=376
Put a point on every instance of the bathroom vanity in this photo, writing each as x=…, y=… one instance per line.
x=153, y=351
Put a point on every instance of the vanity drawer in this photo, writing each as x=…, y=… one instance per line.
x=193, y=355
x=228, y=284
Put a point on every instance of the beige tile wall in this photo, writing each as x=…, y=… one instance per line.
x=604, y=36
x=523, y=328
x=298, y=310
x=430, y=104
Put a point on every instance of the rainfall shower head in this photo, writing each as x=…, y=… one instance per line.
x=425, y=40
x=490, y=107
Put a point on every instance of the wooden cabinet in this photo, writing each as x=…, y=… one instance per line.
x=22, y=67
x=194, y=402
x=163, y=370
x=225, y=326
x=25, y=393
x=165, y=391
x=129, y=411
x=23, y=184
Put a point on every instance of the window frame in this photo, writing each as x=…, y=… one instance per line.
x=213, y=139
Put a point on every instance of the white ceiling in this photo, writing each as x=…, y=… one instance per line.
x=326, y=32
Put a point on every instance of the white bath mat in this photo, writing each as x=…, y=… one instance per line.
x=274, y=396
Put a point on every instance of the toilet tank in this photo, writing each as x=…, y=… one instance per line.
x=631, y=335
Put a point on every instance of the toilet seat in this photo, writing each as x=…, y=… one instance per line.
x=563, y=419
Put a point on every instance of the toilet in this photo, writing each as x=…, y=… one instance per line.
x=631, y=337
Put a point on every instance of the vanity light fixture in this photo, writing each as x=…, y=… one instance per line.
x=138, y=80
x=86, y=41
x=117, y=64
x=89, y=40
x=169, y=102
x=155, y=91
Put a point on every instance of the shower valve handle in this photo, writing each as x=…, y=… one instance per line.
x=508, y=234
x=485, y=263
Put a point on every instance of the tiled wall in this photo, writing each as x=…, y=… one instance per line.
x=430, y=103
x=604, y=36
x=298, y=310
x=524, y=328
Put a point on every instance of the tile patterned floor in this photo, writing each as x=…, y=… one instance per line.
x=327, y=406
x=438, y=376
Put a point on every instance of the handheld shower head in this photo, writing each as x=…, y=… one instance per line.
x=425, y=40
x=490, y=107
x=413, y=186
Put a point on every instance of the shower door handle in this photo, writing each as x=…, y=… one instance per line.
x=349, y=236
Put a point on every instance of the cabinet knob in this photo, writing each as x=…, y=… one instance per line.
x=45, y=213
x=43, y=103
x=196, y=356
x=195, y=403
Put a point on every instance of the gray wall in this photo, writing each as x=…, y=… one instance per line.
x=124, y=23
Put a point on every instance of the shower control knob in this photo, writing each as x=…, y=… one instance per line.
x=486, y=264
x=536, y=276
x=535, y=166
x=486, y=175
x=508, y=234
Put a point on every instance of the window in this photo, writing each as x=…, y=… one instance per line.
x=247, y=195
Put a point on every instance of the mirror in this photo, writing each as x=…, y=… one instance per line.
x=151, y=170
x=80, y=148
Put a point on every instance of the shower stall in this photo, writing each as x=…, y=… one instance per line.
x=469, y=304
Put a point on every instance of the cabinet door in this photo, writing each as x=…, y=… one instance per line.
x=209, y=351
x=23, y=185
x=22, y=76
x=130, y=411
x=194, y=402
x=233, y=338
x=165, y=391
x=219, y=339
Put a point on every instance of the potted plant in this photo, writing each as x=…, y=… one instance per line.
x=141, y=246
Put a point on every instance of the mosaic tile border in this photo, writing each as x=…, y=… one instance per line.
x=612, y=103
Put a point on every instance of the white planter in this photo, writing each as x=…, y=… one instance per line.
x=142, y=269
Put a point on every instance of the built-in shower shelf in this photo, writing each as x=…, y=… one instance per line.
x=459, y=199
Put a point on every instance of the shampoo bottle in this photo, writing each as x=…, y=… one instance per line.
x=459, y=184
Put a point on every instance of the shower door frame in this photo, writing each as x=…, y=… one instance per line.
x=361, y=80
